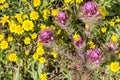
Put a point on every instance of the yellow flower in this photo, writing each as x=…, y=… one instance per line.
x=36, y=3
x=114, y=66
x=19, y=17
x=76, y=37
x=118, y=19
x=91, y=45
x=69, y=1
x=34, y=15
x=46, y=13
x=54, y=54
x=4, y=19
x=12, y=57
x=39, y=44
x=103, y=29
x=119, y=55
x=19, y=29
x=27, y=52
x=58, y=32
x=12, y=27
x=52, y=27
x=1, y=7
x=43, y=76
x=114, y=38
x=103, y=12
x=34, y=35
x=86, y=26
x=23, y=0
x=2, y=1
x=42, y=60
x=5, y=5
x=43, y=26
x=27, y=40
x=24, y=16
x=9, y=39
x=35, y=56
x=27, y=25
x=119, y=79
x=112, y=23
x=4, y=45
x=40, y=50
x=79, y=1
x=54, y=12
x=1, y=37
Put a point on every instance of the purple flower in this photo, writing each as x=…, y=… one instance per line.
x=112, y=46
x=94, y=55
x=79, y=42
x=62, y=17
x=90, y=8
x=46, y=36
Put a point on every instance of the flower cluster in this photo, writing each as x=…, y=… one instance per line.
x=94, y=55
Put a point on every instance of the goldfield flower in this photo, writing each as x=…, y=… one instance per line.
x=43, y=26
x=42, y=60
x=36, y=3
x=62, y=17
x=117, y=20
x=12, y=27
x=54, y=54
x=40, y=50
x=94, y=55
x=103, y=12
x=54, y=12
x=114, y=38
x=46, y=13
x=19, y=29
x=103, y=29
x=91, y=45
x=79, y=1
x=27, y=52
x=112, y=23
x=2, y=1
x=46, y=36
x=1, y=37
x=77, y=40
x=34, y=36
x=9, y=39
x=86, y=26
x=27, y=25
x=119, y=56
x=114, y=66
x=90, y=8
x=18, y=16
x=27, y=40
x=43, y=76
x=35, y=56
x=6, y=5
x=34, y=15
x=4, y=45
x=4, y=20
x=12, y=57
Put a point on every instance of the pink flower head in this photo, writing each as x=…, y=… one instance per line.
x=112, y=46
x=79, y=42
x=46, y=36
x=62, y=17
x=94, y=55
x=90, y=8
